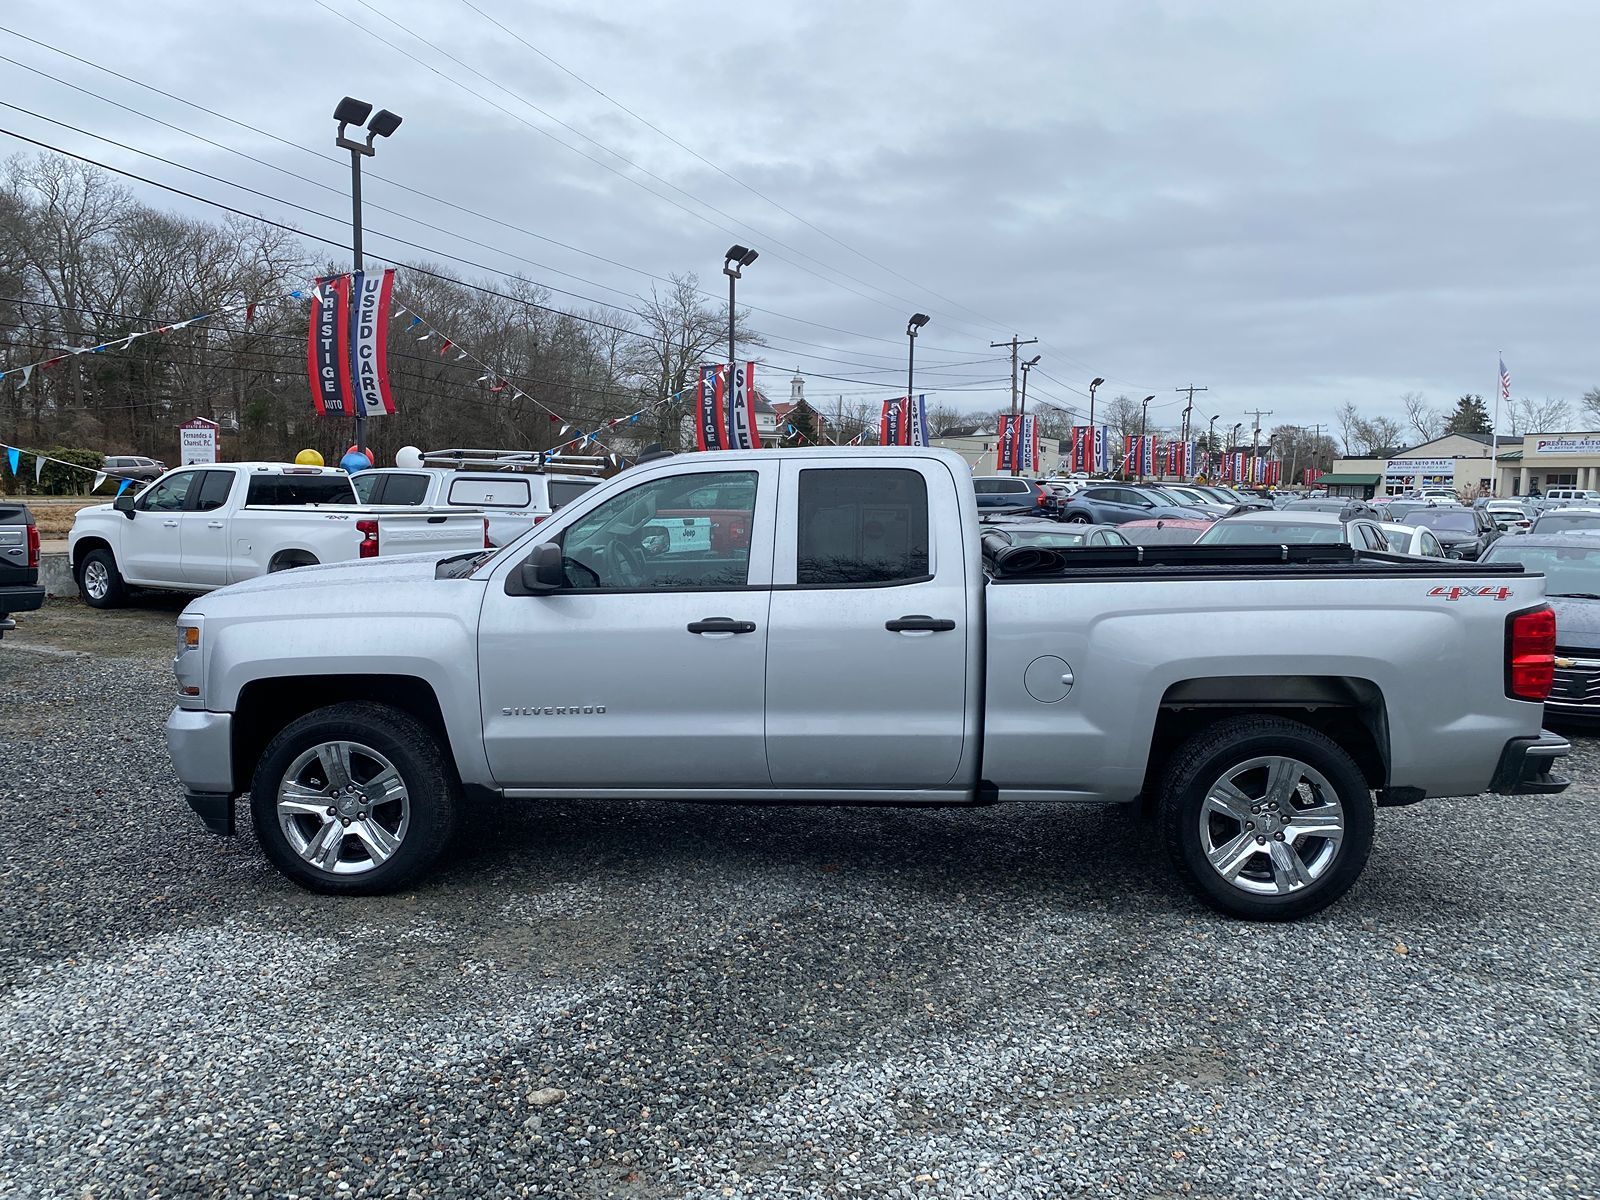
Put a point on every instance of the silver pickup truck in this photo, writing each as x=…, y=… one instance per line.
x=834, y=632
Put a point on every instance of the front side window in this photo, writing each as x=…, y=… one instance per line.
x=860, y=526
x=684, y=531
x=171, y=494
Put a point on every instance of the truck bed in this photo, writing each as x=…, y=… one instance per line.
x=1030, y=564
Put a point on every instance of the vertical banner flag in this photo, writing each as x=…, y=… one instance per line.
x=917, y=422
x=1239, y=467
x=369, y=342
x=1101, y=457
x=328, y=357
x=1132, y=456
x=1082, y=449
x=1030, y=443
x=892, y=424
x=710, y=428
x=1309, y=476
x=1226, y=470
x=1008, y=450
x=741, y=410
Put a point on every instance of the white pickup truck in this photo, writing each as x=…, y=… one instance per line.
x=513, y=500
x=837, y=638
x=204, y=527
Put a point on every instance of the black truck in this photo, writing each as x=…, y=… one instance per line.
x=19, y=563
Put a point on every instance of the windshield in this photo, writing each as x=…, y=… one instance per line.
x=1051, y=539
x=1454, y=520
x=1569, y=570
x=1237, y=532
x=1555, y=522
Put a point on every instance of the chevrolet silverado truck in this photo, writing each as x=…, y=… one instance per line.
x=204, y=527
x=1263, y=701
x=19, y=563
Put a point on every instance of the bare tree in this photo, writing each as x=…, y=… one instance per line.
x=1539, y=416
x=1428, y=422
x=1350, y=426
x=1591, y=404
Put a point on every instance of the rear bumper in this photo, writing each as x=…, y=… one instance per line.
x=1525, y=766
x=24, y=597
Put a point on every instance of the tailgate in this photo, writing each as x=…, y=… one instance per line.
x=15, y=570
x=425, y=530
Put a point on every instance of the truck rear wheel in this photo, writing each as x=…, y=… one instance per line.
x=1265, y=818
x=99, y=582
x=355, y=798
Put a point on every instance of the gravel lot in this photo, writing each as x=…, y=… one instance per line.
x=747, y=1002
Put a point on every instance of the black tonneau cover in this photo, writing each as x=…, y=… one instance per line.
x=1045, y=564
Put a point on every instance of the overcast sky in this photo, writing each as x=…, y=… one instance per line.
x=1291, y=204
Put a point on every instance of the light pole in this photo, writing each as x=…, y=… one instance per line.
x=1233, y=440
x=1093, y=383
x=1211, y=440
x=351, y=111
x=918, y=320
x=735, y=260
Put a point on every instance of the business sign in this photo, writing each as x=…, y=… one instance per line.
x=1567, y=445
x=197, y=441
x=1426, y=466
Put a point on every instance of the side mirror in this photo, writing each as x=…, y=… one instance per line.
x=124, y=504
x=541, y=572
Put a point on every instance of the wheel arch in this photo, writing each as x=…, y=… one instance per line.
x=266, y=706
x=292, y=556
x=85, y=545
x=1349, y=710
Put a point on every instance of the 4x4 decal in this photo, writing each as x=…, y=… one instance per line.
x=1469, y=591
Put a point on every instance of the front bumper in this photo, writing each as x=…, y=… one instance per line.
x=1525, y=766
x=201, y=746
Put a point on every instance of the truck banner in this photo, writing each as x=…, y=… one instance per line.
x=1030, y=444
x=711, y=427
x=328, y=347
x=1140, y=455
x=741, y=411
x=892, y=425
x=369, y=342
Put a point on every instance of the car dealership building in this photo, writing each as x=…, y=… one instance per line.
x=1461, y=462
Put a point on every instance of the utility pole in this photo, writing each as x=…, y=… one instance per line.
x=1316, y=444
x=1191, y=389
x=1255, y=438
x=1016, y=434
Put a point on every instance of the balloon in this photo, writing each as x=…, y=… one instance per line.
x=408, y=456
x=354, y=462
x=308, y=458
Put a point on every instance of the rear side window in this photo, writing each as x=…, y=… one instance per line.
x=298, y=490
x=402, y=489
x=510, y=492
x=993, y=487
x=214, y=489
x=861, y=526
x=565, y=491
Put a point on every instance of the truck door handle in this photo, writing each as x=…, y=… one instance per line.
x=721, y=625
x=169, y=524
x=920, y=623
x=213, y=524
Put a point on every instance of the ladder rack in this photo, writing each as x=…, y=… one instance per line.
x=527, y=462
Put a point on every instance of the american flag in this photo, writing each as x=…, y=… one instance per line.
x=1505, y=381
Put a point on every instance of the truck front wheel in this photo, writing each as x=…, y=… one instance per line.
x=1266, y=818
x=99, y=582
x=355, y=798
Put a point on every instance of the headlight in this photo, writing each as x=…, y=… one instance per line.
x=186, y=663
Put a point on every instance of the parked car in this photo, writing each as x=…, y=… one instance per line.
x=134, y=467
x=1565, y=520
x=1114, y=503
x=19, y=563
x=1416, y=540
x=1051, y=535
x=1564, y=495
x=1164, y=531
x=1397, y=508
x=1439, y=495
x=1014, y=493
x=1346, y=507
x=201, y=528
x=1192, y=497
x=1230, y=496
x=859, y=653
x=1464, y=532
x=1287, y=527
x=1570, y=563
x=515, y=498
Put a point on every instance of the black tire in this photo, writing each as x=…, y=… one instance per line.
x=1206, y=758
x=1078, y=518
x=413, y=749
x=114, y=593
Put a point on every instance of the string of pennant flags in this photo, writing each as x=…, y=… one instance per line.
x=14, y=456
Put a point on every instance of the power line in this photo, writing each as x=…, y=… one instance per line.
x=403, y=187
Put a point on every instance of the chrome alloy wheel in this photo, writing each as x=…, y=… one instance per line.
x=1271, y=826
x=96, y=580
x=344, y=808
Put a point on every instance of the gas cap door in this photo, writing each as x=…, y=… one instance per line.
x=1048, y=679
